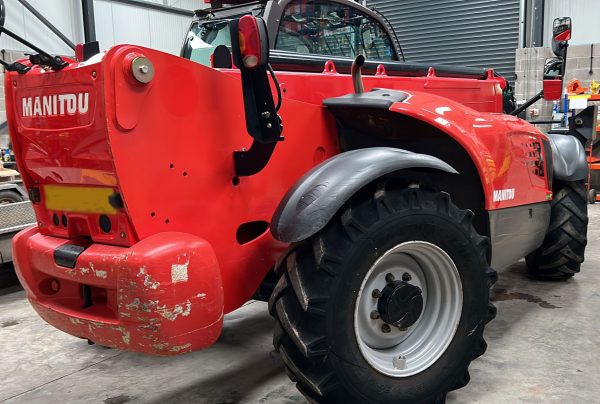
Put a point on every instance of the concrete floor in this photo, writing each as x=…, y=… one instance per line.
x=544, y=346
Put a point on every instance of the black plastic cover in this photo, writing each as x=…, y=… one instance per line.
x=66, y=255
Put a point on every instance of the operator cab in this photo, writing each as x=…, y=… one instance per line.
x=298, y=27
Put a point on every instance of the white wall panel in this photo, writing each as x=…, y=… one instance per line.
x=167, y=31
x=63, y=14
x=103, y=15
x=116, y=23
x=131, y=25
x=585, y=15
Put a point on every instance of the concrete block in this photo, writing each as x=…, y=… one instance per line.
x=578, y=51
x=581, y=63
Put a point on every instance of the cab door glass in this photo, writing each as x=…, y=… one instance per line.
x=328, y=28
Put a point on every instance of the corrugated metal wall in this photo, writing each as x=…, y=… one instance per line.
x=116, y=23
x=477, y=33
x=585, y=16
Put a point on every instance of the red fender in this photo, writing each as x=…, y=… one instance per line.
x=494, y=142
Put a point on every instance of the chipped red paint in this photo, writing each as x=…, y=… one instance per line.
x=138, y=306
x=171, y=265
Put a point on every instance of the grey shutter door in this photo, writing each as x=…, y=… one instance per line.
x=475, y=33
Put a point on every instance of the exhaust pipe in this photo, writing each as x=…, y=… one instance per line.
x=357, y=65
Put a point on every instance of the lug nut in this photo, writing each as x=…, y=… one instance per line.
x=399, y=362
x=389, y=278
x=376, y=294
x=406, y=277
x=386, y=328
x=375, y=315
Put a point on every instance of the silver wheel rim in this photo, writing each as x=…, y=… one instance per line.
x=403, y=353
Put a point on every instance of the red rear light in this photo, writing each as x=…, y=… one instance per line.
x=250, y=42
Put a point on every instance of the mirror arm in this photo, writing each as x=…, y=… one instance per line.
x=15, y=67
x=55, y=62
x=528, y=103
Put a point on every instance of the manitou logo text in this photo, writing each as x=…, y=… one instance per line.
x=56, y=105
x=504, y=195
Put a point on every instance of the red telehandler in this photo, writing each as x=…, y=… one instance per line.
x=369, y=204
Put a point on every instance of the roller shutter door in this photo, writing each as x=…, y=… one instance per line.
x=475, y=33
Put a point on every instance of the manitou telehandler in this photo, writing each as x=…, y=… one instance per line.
x=369, y=204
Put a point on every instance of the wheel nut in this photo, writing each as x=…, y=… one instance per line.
x=399, y=362
x=375, y=315
x=389, y=278
x=386, y=328
x=376, y=294
x=406, y=277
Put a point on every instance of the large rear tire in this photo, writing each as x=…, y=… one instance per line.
x=353, y=327
x=563, y=249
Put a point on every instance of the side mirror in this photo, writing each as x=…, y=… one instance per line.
x=561, y=34
x=553, y=79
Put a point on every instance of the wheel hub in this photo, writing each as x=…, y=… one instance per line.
x=401, y=304
x=408, y=308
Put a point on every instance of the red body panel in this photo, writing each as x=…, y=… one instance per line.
x=167, y=148
x=502, y=147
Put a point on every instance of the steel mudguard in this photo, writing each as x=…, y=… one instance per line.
x=321, y=192
x=162, y=296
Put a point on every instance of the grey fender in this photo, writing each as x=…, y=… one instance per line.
x=316, y=197
x=569, y=160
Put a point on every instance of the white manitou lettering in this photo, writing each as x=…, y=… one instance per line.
x=504, y=195
x=56, y=105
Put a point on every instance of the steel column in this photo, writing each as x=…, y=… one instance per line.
x=89, y=23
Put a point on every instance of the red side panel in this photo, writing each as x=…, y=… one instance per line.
x=172, y=143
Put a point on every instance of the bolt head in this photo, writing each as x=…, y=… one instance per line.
x=389, y=278
x=376, y=293
x=406, y=277
x=144, y=69
x=386, y=328
x=375, y=315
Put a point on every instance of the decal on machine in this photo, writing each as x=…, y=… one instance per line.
x=56, y=105
x=504, y=195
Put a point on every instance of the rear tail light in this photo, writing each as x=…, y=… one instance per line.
x=251, y=46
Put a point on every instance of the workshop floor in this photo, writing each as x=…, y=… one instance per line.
x=544, y=346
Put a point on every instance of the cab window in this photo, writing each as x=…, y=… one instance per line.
x=328, y=28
